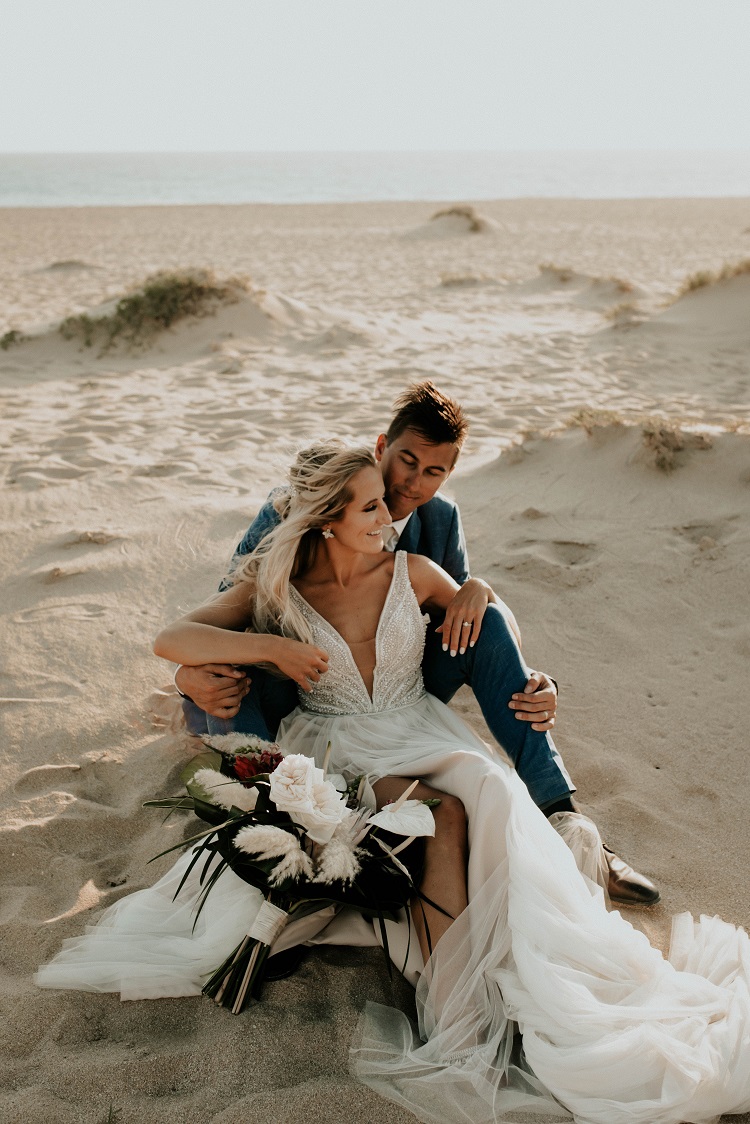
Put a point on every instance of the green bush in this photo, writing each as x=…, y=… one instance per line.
x=10, y=338
x=162, y=301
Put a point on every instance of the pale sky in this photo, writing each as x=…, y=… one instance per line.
x=382, y=75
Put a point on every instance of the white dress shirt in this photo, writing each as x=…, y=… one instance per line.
x=394, y=531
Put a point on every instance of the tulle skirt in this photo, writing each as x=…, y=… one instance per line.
x=537, y=999
x=610, y=1031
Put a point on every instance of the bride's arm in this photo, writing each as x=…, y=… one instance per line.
x=215, y=633
x=436, y=589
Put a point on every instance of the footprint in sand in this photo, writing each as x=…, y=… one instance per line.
x=555, y=561
x=173, y=468
x=708, y=539
x=530, y=513
x=97, y=782
x=71, y=265
x=72, y=610
x=45, y=778
x=707, y=534
x=57, y=574
x=35, y=476
x=38, y=688
x=94, y=538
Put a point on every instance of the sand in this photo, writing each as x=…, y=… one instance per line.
x=620, y=541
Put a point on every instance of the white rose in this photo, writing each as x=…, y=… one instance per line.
x=292, y=781
x=300, y=789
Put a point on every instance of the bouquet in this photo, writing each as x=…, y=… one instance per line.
x=304, y=838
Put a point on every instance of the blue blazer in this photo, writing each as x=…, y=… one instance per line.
x=434, y=530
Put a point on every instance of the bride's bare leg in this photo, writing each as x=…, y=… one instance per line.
x=444, y=878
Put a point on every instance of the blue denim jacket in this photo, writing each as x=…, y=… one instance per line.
x=434, y=530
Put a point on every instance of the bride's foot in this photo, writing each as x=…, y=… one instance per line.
x=627, y=886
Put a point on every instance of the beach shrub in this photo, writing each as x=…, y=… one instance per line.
x=706, y=277
x=162, y=300
x=11, y=338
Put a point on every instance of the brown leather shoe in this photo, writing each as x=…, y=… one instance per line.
x=627, y=886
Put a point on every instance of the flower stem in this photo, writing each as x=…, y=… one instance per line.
x=220, y=993
x=247, y=980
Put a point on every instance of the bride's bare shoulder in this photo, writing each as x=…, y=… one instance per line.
x=421, y=571
x=429, y=582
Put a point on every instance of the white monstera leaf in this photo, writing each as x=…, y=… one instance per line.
x=410, y=818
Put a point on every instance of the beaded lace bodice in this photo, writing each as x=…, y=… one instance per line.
x=399, y=644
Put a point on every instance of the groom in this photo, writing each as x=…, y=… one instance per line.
x=417, y=455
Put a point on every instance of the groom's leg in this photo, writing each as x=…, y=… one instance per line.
x=268, y=700
x=495, y=670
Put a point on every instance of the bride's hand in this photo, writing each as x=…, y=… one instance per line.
x=304, y=663
x=463, y=617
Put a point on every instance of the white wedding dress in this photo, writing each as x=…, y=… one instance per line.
x=610, y=1031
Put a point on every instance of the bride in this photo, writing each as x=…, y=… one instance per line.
x=535, y=998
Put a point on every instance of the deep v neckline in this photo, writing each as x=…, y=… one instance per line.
x=335, y=631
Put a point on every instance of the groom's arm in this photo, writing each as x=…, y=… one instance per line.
x=264, y=522
x=474, y=592
x=455, y=559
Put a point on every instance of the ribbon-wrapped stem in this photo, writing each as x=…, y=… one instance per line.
x=241, y=975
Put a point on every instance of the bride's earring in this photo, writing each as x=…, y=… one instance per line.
x=327, y=533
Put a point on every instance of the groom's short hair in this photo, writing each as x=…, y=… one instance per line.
x=430, y=413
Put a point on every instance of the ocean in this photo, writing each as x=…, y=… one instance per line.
x=135, y=179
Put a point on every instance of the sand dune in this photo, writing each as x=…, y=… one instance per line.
x=246, y=316
x=721, y=309
x=696, y=348
x=582, y=287
x=128, y=477
x=453, y=222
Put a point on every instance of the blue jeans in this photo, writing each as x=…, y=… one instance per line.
x=493, y=668
x=268, y=701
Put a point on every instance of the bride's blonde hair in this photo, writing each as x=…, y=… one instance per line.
x=319, y=490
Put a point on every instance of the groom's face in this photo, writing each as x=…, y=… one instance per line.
x=413, y=470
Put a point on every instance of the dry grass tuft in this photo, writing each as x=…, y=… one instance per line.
x=706, y=277
x=562, y=272
x=476, y=223
x=665, y=441
x=589, y=418
x=163, y=300
x=619, y=283
x=623, y=315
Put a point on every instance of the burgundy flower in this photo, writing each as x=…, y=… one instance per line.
x=245, y=768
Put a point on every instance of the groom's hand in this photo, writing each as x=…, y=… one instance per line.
x=217, y=688
x=538, y=703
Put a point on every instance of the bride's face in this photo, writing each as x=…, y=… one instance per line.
x=360, y=527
